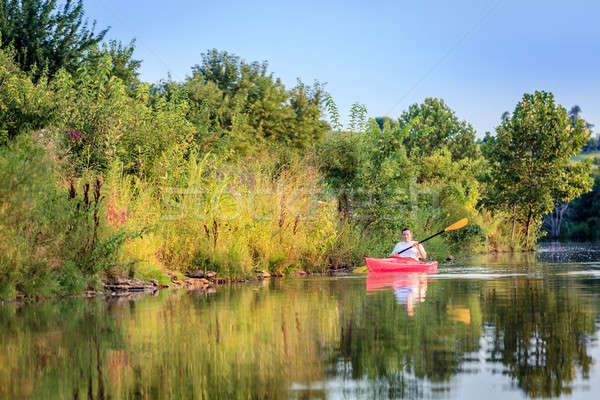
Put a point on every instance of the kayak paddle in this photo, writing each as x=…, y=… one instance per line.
x=457, y=225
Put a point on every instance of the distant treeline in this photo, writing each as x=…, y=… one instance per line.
x=229, y=170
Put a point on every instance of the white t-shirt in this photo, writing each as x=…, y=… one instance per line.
x=412, y=252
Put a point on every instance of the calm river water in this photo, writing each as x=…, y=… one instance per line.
x=489, y=327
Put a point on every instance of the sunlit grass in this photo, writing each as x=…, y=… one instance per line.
x=231, y=219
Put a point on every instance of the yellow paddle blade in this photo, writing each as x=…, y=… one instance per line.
x=361, y=270
x=457, y=225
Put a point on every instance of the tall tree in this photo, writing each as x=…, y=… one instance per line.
x=122, y=63
x=220, y=67
x=45, y=35
x=530, y=161
x=242, y=103
x=433, y=124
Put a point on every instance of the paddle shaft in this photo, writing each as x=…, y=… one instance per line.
x=422, y=241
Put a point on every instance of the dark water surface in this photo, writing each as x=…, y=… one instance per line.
x=489, y=327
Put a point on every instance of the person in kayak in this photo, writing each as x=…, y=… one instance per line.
x=416, y=250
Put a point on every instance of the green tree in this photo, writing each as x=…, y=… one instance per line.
x=433, y=125
x=530, y=162
x=123, y=65
x=46, y=36
x=305, y=102
x=242, y=104
x=99, y=120
x=219, y=67
x=575, y=114
x=583, y=218
x=382, y=121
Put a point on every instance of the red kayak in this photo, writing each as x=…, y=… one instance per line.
x=400, y=265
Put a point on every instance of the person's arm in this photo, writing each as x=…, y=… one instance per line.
x=421, y=250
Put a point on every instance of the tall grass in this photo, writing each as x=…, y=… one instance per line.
x=232, y=219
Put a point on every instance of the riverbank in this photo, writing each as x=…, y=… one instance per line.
x=199, y=281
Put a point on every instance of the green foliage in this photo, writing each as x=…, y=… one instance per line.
x=530, y=162
x=583, y=215
x=387, y=121
x=27, y=205
x=232, y=219
x=246, y=107
x=306, y=126
x=381, y=189
x=342, y=158
x=358, y=118
x=23, y=104
x=99, y=120
x=207, y=165
x=46, y=37
x=123, y=65
x=52, y=241
x=334, y=114
x=433, y=125
x=89, y=119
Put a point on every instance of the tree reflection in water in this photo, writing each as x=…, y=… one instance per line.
x=307, y=338
x=539, y=329
x=542, y=331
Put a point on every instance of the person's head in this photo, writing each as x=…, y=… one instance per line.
x=407, y=235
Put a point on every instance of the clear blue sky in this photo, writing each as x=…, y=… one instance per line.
x=479, y=56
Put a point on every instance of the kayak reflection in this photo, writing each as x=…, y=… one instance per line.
x=409, y=289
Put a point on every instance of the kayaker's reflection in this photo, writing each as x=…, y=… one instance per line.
x=409, y=290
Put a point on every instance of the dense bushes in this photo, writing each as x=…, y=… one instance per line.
x=52, y=240
x=23, y=104
x=582, y=217
x=150, y=150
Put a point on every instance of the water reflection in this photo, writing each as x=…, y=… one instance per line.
x=178, y=345
x=534, y=326
x=411, y=355
x=542, y=330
